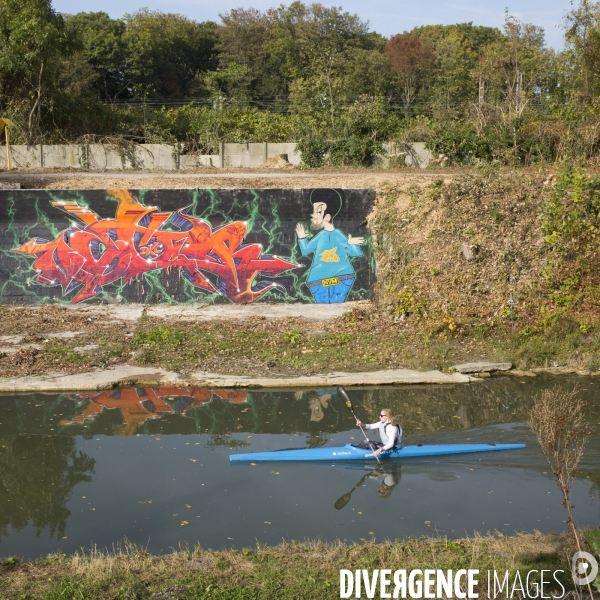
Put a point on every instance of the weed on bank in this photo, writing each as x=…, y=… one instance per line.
x=289, y=571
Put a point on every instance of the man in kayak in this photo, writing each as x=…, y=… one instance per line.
x=389, y=430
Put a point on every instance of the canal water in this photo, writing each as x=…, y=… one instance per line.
x=151, y=466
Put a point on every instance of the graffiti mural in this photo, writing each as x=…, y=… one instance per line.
x=156, y=246
x=137, y=405
x=132, y=243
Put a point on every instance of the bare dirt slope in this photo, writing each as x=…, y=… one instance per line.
x=217, y=178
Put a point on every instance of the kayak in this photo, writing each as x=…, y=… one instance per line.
x=350, y=452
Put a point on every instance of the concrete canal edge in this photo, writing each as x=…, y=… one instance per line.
x=133, y=376
x=122, y=376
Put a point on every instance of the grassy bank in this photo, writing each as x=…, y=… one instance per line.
x=362, y=340
x=294, y=570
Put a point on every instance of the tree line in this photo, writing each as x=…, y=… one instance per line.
x=305, y=73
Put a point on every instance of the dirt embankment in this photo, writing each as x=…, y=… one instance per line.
x=456, y=251
x=452, y=251
x=220, y=178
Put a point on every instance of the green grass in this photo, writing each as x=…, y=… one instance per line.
x=291, y=347
x=290, y=571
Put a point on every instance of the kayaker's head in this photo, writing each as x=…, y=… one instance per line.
x=387, y=416
x=384, y=491
x=327, y=203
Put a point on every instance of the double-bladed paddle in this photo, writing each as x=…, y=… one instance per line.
x=342, y=393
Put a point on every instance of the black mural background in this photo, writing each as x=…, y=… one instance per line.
x=271, y=216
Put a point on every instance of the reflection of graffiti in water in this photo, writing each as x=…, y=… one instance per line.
x=317, y=402
x=140, y=404
x=134, y=242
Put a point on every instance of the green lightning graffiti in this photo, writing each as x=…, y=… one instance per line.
x=270, y=217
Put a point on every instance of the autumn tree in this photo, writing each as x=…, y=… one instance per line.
x=582, y=37
x=411, y=60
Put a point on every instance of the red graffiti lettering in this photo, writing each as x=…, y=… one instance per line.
x=133, y=243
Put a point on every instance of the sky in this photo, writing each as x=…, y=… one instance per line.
x=387, y=17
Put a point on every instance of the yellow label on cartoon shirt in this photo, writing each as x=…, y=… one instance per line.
x=330, y=255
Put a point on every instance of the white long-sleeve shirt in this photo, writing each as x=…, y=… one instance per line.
x=388, y=433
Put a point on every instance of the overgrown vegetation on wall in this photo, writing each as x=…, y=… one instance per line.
x=304, y=73
x=481, y=254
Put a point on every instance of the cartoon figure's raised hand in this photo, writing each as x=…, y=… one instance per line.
x=356, y=241
x=300, y=231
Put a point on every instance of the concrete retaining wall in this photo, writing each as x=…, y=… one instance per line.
x=229, y=245
x=255, y=154
x=165, y=157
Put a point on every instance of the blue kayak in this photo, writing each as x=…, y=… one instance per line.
x=350, y=452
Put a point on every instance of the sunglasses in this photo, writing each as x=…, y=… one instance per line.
x=383, y=416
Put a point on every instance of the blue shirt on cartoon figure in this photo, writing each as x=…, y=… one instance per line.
x=331, y=274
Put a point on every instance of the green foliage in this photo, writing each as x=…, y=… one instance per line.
x=592, y=537
x=571, y=216
x=353, y=151
x=407, y=304
x=313, y=151
x=292, y=336
x=348, y=151
x=570, y=220
x=63, y=354
x=160, y=336
x=303, y=72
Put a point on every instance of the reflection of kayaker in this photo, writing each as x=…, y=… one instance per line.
x=387, y=479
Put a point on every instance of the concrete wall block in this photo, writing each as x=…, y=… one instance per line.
x=288, y=148
x=420, y=155
x=63, y=155
x=109, y=158
x=21, y=156
x=156, y=156
x=193, y=161
x=162, y=156
x=244, y=155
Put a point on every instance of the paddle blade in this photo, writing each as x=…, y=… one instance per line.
x=344, y=396
x=341, y=502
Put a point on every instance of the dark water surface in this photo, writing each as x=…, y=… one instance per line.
x=151, y=466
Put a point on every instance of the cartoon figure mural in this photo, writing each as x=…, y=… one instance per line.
x=331, y=274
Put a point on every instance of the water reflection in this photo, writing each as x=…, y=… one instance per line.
x=38, y=477
x=85, y=466
x=423, y=410
x=387, y=478
x=318, y=402
x=137, y=405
